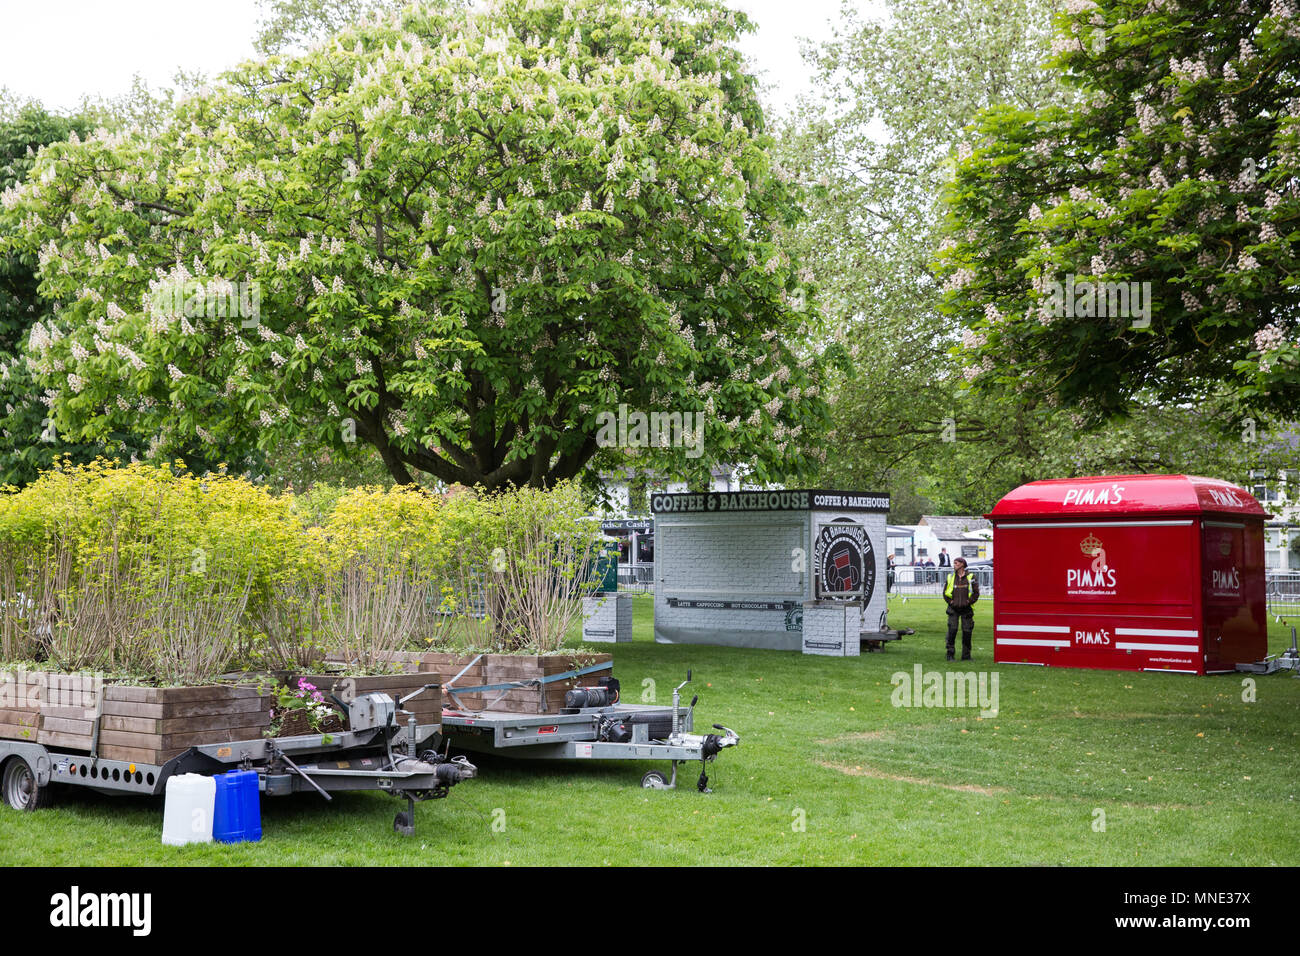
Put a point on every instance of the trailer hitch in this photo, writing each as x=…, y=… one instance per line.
x=713, y=745
x=446, y=773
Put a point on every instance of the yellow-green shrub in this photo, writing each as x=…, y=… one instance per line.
x=140, y=567
x=373, y=557
x=153, y=570
x=543, y=546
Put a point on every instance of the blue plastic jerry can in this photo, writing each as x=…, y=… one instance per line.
x=237, y=815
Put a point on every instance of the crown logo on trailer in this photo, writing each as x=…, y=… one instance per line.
x=1090, y=545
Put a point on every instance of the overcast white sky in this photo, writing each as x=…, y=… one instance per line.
x=57, y=50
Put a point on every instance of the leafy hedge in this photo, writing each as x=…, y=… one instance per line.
x=150, y=570
x=139, y=568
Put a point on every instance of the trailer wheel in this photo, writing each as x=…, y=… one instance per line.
x=404, y=824
x=21, y=790
x=654, y=780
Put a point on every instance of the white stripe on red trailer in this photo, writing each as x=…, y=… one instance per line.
x=1035, y=628
x=1099, y=523
x=1126, y=646
x=1032, y=642
x=1155, y=632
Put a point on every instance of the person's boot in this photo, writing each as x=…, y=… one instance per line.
x=951, y=649
x=965, y=647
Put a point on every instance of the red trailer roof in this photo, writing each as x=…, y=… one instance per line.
x=1126, y=495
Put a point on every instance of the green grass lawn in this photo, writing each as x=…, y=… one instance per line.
x=1184, y=771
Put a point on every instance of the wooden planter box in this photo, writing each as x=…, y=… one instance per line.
x=505, y=668
x=154, y=724
x=490, y=669
x=20, y=709
x=147, y=725
x=447, y=666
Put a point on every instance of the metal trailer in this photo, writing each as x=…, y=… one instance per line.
x=1288, y=660
x=612, y=732
x=378, y=753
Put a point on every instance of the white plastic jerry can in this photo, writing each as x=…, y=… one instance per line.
x=187, y=812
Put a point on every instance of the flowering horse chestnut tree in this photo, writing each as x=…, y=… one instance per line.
x=1144, y=245
x=456, y=236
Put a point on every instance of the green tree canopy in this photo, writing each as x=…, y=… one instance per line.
x=464, y=235
x=875, y=146
x=288, y=24
x=29, y=442
x=1178, y=169
x=878, y=144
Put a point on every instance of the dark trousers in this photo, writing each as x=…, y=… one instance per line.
x=966, y=616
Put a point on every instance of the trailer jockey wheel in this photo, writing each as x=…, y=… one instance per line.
x=654, y=780
x=22, y=792
x=404, y=822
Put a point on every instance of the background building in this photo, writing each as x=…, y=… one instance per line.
x=1282, y=532
x=965, y=536
x=627, y=493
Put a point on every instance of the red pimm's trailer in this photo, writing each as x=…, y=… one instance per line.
x=1129, y=572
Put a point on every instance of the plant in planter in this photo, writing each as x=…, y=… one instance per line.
x=139, y=569
x=541, y=568
x=511, y=575
x=374, y=550
x=371, y=609
x=459, y=612
x=302, y=709
x=70, y=586
x=291, y=626
x=82, y=606
x=193, y=620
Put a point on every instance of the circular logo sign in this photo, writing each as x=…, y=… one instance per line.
x=846, y=563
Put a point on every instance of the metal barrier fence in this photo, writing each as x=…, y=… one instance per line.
x=911, y=581
x=1283, y=591
x=638, y=578
x=1281, y=587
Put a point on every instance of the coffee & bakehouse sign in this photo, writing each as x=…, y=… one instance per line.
x=720, y=501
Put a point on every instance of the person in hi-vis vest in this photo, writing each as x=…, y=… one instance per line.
x=960, y=591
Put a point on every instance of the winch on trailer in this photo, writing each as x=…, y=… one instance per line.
x=375, y=753
x=594, y=725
